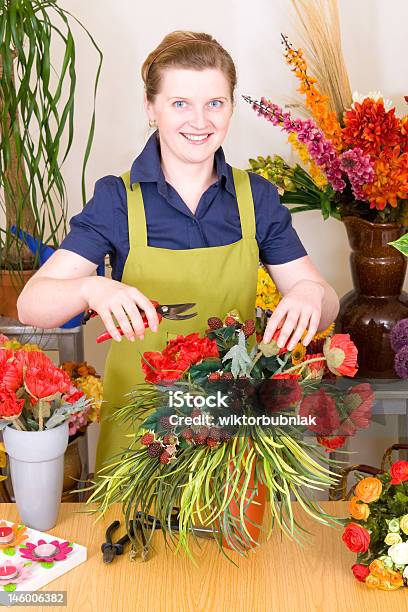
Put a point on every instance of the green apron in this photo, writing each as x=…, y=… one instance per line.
x=218, y=279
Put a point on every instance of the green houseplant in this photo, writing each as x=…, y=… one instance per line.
x=36, y=132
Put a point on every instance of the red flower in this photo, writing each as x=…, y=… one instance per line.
x=73, y=397
x=42, y=378
x=10, y=372
x=10, y=406
x=360, y=571
x=331, y=442
x=275, y=339
x=275, y=395
x=358, y=403
x=399, y=472
x=320, y=405
x=178, y=356
x=341, y=355
x=356, y=538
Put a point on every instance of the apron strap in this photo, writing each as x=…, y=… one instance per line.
x=245, y=202
x=137, y=216
x=136, y=212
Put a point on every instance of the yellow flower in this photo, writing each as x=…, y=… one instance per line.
x=298, y=353
x=404, y=523
x=392, y=538
x=93, y=388
x=3, y=459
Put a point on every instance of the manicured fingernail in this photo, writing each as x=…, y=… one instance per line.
x=132, y=338
x=154, y=328
x=118, y=337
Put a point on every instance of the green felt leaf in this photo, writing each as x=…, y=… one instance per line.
x=28, y=563
x=10, y=587
x=9, y=551
x=47, y=564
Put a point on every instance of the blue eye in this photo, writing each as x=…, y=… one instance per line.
x=218, y=103
x=179, y=102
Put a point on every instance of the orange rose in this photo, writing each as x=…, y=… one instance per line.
x=358, y=511
x=369, y=489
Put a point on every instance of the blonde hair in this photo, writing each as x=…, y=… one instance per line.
x=185, y=49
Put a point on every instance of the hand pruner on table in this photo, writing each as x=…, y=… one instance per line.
x=167, y=311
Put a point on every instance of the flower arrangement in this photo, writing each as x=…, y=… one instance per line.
x=355, y=161
x=399, y=344
x=378, y=532
x=85, y=378
x=215, y=463
x=34, y=393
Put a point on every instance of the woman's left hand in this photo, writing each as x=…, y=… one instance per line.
x=302, y=307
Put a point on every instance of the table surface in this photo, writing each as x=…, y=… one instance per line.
x=279, y=576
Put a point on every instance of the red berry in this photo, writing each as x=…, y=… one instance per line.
x=147, y=438
x=214, y=323
x=214, y=433
x=230, y=321
x=170, y=439
x=196, y=413
x=248, y=327
x=164, y=422
x=224, y=435
x=214, y=376
x=211, y=442
x=187, y=434
x=165, y=457
x=155, y=449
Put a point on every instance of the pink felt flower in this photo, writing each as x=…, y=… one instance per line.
x=24, y=572
x=27, y=552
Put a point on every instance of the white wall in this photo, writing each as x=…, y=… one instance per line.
x=375, y=47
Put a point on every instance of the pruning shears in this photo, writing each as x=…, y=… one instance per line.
x=167, y=311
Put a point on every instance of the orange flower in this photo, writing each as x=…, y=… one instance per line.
x=19, y=532
x=390, y=180
x=369, y=126
x=358, y=511
x=316, y=101
x=369, y=489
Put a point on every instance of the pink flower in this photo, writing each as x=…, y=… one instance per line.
x=320, y=149
x=24, y=572
x=359, y=169
x=27, y=551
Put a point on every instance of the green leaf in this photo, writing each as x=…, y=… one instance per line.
x=9, y=551
x=240, y=361
x=401, y=244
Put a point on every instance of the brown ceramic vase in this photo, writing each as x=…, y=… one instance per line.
x=377, y=302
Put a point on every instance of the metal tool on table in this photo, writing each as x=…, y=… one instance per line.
x=167, y=311
x=111, y=549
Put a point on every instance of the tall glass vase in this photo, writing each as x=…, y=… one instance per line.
x=369, y=311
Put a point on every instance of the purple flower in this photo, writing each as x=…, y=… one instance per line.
x=401, y=362
x=320, y=149
x=399, y=335
x=359, y=169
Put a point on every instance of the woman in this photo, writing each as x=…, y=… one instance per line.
x=180, y=226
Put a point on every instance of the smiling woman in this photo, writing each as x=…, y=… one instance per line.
x=181, y=225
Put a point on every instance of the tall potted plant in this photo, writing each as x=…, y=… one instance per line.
x=36, y=133
x=354, y=153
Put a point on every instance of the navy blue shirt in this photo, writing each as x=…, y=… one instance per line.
x=101, y=227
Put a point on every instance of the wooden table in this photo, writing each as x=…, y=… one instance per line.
x=279, y=577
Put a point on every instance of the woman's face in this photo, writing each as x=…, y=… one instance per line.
x=192, y=103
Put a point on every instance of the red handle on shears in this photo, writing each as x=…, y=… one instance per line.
x=106, y=335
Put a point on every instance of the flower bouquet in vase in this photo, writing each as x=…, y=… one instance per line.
x=230, y=428
x=36, y=401
x=353, y=150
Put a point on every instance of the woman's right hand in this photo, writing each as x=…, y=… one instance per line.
x=109, y=297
